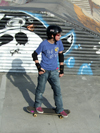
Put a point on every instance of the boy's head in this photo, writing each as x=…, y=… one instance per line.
x=54, y=32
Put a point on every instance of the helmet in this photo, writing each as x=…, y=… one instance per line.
x=53, y=30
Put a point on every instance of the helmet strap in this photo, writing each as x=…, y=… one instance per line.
x=55, y=39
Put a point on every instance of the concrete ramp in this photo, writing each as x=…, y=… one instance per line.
x=84, y=13
x=90, y=9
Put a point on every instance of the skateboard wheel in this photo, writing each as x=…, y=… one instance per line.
x=61, y=117
x=35, y=115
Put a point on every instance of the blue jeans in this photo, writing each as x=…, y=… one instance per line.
x=53, y=78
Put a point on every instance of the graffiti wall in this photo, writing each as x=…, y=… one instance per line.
x=21, y=32
x=88, y=13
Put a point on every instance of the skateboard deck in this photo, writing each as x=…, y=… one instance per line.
x=47, y=111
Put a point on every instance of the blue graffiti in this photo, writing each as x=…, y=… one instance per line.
x=70, y=38
x=77, y=46
x=70, y=62
x=38, y=17
x=85, y=69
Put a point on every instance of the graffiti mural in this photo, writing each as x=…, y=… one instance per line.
x=20, y=34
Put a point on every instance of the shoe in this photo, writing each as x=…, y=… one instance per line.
x=64, y=114
x=39, y=110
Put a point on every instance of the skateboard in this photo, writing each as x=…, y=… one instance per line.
x=47, y=111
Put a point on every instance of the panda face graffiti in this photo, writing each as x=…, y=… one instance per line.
x=19, y=42
x=15, y=33
x=16, y=30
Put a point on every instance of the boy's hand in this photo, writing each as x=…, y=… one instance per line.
x=60, y=75
x=41, y=72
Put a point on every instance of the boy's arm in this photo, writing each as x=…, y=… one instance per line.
x=35, y=59
x=61, y=62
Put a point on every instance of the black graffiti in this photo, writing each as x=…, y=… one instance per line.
x=5, y=39
x=21, y=38
x=13, y=51
x=68, y=41
x=3, y=22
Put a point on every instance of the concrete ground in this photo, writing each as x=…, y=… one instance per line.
x=81, y=94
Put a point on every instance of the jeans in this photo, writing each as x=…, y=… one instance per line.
x=53, y=78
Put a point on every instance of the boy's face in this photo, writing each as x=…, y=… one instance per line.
x=57, y=37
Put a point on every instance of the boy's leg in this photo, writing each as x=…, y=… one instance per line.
x=42, y=79
x=55, y=84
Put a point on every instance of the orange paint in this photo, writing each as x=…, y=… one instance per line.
x=86, y=21
x=30, y=27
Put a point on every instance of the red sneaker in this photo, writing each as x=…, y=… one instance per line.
x=39, y=110
x=64, y=114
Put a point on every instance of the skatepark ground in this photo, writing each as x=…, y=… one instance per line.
x=81, y=94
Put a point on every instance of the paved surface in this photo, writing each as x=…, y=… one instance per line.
x=81, y=94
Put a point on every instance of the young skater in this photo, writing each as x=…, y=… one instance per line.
x=51, y=49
